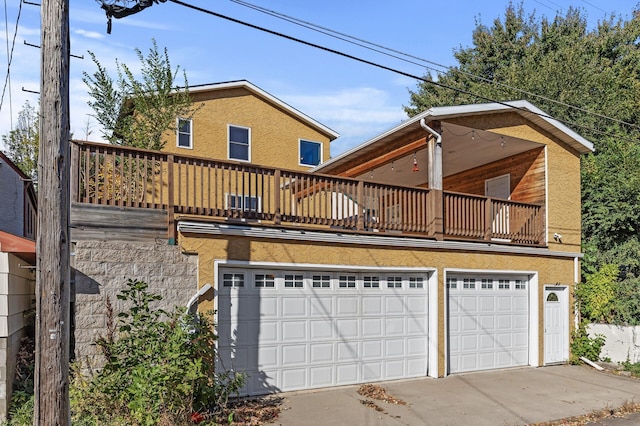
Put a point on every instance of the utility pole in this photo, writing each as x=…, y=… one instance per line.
x=52, y=271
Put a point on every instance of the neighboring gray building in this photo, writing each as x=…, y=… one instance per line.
x=18, y=223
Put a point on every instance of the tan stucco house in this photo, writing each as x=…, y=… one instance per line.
x=450, y=243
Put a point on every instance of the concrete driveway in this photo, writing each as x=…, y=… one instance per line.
x=504, y=397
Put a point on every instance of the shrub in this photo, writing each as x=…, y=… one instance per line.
x=159, y=368
x=583, y=345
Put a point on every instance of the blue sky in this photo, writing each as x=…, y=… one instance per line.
x=355, y=99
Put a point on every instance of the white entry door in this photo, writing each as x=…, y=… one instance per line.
x=556, y=325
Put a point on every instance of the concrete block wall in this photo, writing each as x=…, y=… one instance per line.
x=622, y=343
x=100, y=270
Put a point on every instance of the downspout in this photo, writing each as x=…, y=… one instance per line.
x=437, y=135
x=196, y=296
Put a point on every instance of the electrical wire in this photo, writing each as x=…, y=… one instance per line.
x=6, y=32
x=380, y=49
x=387, y=68
x=9, y=59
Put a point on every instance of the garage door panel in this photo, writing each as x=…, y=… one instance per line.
x=372, y=350
x=348, y=328
x=347, y=306
x=417, y=326
x=321, y=353
x=371, y=371
x=294, y=354
x=292, y=307
x=416, y=346
x=371, y=327
x=372, y=305
x=488, y=325
x=347, y=351
x=394, y=305
x=394, y=348
x=346, y=374
x=322, y=307
x=394, y=369
x=416, y=367
x=320, y=376
x=289, y=337
x=394, y=327
x=294, y=330
x=267, y=356
x=415, y=305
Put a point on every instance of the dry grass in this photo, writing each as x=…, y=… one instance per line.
x=250, y=411
x=594, y=416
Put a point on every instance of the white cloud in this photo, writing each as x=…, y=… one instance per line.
x=89, y=34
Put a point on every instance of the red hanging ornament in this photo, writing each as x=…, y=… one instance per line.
x=415, y=164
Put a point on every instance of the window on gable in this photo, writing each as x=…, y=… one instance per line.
x=239, y=143
x=310, y=153
x=184, y=133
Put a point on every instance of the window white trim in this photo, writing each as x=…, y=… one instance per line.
x=229, y=142
x=245, y=202
x=320, y=148
x=178, y=132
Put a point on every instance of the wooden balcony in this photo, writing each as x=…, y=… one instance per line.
x=108, y=175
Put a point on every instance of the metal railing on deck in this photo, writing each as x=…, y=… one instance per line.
x=111, y=175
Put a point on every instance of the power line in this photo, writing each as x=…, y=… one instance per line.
x=376, y=48
x=10, y=57
x=387, y=68
x=6, y=32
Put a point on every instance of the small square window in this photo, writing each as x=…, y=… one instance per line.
x=504, y=284
x=233, y=280
x=321, y=281
x=293, y=281
x=347, y=281
x=416, y=282
x=265, y=280
x=184, y=133
x=486, y=284
x=469, y=283
x=452, y=283
x=239, y=143
x=310, y=153
x=520, y=285
x=371, y=282
x=394, y=282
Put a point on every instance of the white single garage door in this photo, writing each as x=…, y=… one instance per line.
x=297, y=329
x=488, y=322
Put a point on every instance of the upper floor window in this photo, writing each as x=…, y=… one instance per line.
x=239, y=143
x=185, y=133
x=310, y=153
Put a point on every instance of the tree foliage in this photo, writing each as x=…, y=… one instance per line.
x=137, y=112
x=578, y=75
x=23, y=142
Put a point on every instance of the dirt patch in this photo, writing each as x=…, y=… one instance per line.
x=594, y=416
x=250, y=411
x=379, y=393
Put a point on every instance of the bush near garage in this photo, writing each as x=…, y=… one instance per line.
x=159, y=368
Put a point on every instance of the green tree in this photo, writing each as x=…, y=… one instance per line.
x=137, y=112
x=578, y=75
x=23, y=142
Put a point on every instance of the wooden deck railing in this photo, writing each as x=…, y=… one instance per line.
x=109, y=175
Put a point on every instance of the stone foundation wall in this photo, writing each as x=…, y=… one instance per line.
x=101, y=269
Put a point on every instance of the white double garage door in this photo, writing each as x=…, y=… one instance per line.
x=292, y=329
